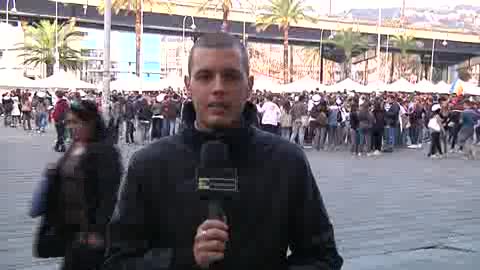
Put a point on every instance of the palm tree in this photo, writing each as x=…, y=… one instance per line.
x=39, y=45
x=284, y=13
x=136, y=5
x=226, y=7
x=351, y=43
x=405, y=43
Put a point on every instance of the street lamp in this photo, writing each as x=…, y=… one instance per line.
x=57, y=55
x=431, y=60
x=321, y=55
x=14, y=9
x=193, y=27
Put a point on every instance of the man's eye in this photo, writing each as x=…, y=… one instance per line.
x=231, y=76
x=203, y=76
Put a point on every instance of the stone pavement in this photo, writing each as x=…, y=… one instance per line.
x=395, y=212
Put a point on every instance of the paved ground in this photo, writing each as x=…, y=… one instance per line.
x=399, y=211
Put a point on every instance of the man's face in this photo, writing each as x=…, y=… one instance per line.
x=219, y=86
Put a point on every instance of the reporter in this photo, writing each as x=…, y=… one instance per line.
x=160, y=220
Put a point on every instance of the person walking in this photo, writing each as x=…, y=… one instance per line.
x=59, y=116
x=82, y=195
x=436, y=128
x=26, y=112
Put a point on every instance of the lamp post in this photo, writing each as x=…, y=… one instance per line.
x=184, y=56
x=386, y=58
x=320, y=71
x=107, y=26
x=378, y=41
x=431, y=60
x=57, y=55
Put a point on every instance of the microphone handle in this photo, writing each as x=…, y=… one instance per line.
x=215, y=211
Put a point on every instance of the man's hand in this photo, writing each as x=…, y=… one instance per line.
x=210, y=241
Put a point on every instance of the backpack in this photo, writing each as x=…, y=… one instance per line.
x=322, y=119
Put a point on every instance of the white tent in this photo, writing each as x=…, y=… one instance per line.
x=471, y=89
x=265, y=83
x=12, y=79
x=173, y=81
x=304, y=84
x=442, y=87
x=425, y=86
x=64, y=81
x=401, y=85
x=377, y=86
x=130, y=83
x=347, y=84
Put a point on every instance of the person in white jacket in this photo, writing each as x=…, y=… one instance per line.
x=270, y=115
x=15, y=112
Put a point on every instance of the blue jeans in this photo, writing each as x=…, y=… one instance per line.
x=168, y=127
x=390, y=136
x=42, y=121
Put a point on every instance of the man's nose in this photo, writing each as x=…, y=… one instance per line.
x=218, y=85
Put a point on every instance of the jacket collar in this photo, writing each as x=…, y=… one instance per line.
x=235, y=138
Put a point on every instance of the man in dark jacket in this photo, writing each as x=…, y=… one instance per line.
x=392, y=109
x=278, y=206
x=129, y=116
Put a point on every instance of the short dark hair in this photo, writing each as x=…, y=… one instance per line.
x=220, y=40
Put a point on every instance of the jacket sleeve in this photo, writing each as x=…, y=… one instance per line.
x=128, y=232
x=312, y=241
x=109, y=175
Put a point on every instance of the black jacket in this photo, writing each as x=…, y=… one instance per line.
x=279, y=206
x=391, y=116
x=102, y=169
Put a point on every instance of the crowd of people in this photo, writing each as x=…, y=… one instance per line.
x=369, y=124
x=365, y=124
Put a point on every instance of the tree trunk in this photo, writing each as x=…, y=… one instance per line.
x=392, y=67
x=366, y=73
x=138, y=37
x=285, y=54
x=321, y=66
x=291, y=64
x=226, y=12
x=50, y=69
x=347, y=66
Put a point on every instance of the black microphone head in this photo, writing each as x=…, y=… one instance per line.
x=215, y=174
x=214, y=154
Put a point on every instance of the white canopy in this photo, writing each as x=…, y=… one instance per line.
x=173, y=81
x=64, y=81
x=304, y=84
x=425, y=86
x=377, y=86
x=401, y=85
x=265, y=83
x=13, y=79
x=442, y=87
x=347, y=84
x=129, y=82
x=471, y=89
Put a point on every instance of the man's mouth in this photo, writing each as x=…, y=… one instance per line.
x=218, y=107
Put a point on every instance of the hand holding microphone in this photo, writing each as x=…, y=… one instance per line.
x=217, y=183
x=210, y=242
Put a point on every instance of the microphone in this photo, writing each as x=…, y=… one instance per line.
x=217, y=180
